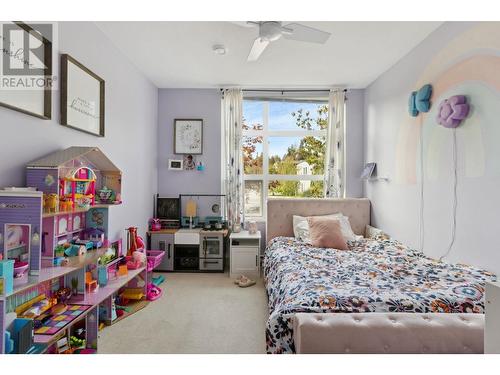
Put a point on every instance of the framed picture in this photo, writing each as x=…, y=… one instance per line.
x=189, y=162
x=82, y=97
x=188, y=136
x=35, y=98
x=175, y=165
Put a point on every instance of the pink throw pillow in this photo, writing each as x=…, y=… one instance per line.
x=326, y=232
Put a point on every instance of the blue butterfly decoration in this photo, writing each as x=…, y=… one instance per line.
x=420, y=101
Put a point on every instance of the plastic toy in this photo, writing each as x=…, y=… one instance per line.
x=102, y=275
x=90, y=284
x=60, y=261
x=106, y=196
x=79, y=185
x=89, y=245
x=158, y=280
x=132, y=240
x=37, y=308
x=20, y=272
x=122, y=270
x=20, y=268
x=64, y=294
x=95, y=235
x=154, y=225
x=75, y=250
x=132, y=293
x=65, y=205
x=83, y=203
x=50, y=202
x=153, y=292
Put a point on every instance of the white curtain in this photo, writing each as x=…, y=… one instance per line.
x=334, y=183
x=232, y=159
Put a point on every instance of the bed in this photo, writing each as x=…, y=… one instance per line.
x=378, y=275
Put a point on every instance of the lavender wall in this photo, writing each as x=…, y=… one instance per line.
x=131, y=125
x=189, y=103
x=457, y=58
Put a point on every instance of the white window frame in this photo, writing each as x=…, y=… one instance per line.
x=265, y=133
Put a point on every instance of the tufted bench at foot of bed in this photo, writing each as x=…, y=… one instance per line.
x=389, y=333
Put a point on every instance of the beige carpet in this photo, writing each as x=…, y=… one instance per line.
x=197, y=313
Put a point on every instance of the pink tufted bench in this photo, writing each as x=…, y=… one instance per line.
x=389, y=333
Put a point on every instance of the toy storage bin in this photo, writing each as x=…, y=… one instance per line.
x=154, y=258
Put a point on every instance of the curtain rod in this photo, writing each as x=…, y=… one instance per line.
x=285, y=90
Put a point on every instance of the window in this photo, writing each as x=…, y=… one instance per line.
x=283, y=146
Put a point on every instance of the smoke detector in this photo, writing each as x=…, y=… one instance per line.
x=219, y=49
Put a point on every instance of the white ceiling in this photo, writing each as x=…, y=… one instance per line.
x=179, y=54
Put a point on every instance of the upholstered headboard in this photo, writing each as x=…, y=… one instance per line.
x=281, y=210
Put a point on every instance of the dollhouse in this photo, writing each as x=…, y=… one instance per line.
x=75, y=175
x=59, y=270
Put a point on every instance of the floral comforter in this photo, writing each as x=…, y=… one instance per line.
x=374, y=275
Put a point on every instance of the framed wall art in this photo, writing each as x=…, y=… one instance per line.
x=175, y=165
x=82, y=97
x=26, y=78
x=188, y=136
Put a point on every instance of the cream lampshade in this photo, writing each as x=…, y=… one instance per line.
x=191, y=208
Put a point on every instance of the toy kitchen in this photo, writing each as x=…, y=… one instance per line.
x=191, y=229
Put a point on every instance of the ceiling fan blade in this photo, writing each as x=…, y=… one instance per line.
x=306, y=34
x=245, y=24
x=259, y=45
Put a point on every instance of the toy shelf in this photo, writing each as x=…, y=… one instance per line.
x=93, y=299
x=107, y=291
x=79, y=210
x=50, y=272
x=79, y=179
x=85, y=183
x=69, y=233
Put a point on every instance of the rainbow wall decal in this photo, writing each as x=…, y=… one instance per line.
x=471, y=62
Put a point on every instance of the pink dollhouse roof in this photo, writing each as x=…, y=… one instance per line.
x=59, y=158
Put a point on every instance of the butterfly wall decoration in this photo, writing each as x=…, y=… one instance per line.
x=420, y=101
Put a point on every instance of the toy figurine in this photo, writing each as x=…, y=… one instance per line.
x=65, y=205
x=64, y=294
x=50, y=202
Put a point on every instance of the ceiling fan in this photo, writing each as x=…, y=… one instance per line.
x=270, y=31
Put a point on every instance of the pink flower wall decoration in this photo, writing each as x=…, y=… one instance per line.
x=452, y=111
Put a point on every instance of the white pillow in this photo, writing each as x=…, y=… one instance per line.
x=301, y=227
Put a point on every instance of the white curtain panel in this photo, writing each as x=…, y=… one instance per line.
x=334, y=186
x=232, y=117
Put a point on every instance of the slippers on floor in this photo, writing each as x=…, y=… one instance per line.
x=245, y=282
x=237, y=281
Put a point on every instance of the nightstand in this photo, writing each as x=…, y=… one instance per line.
x=244, y=256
